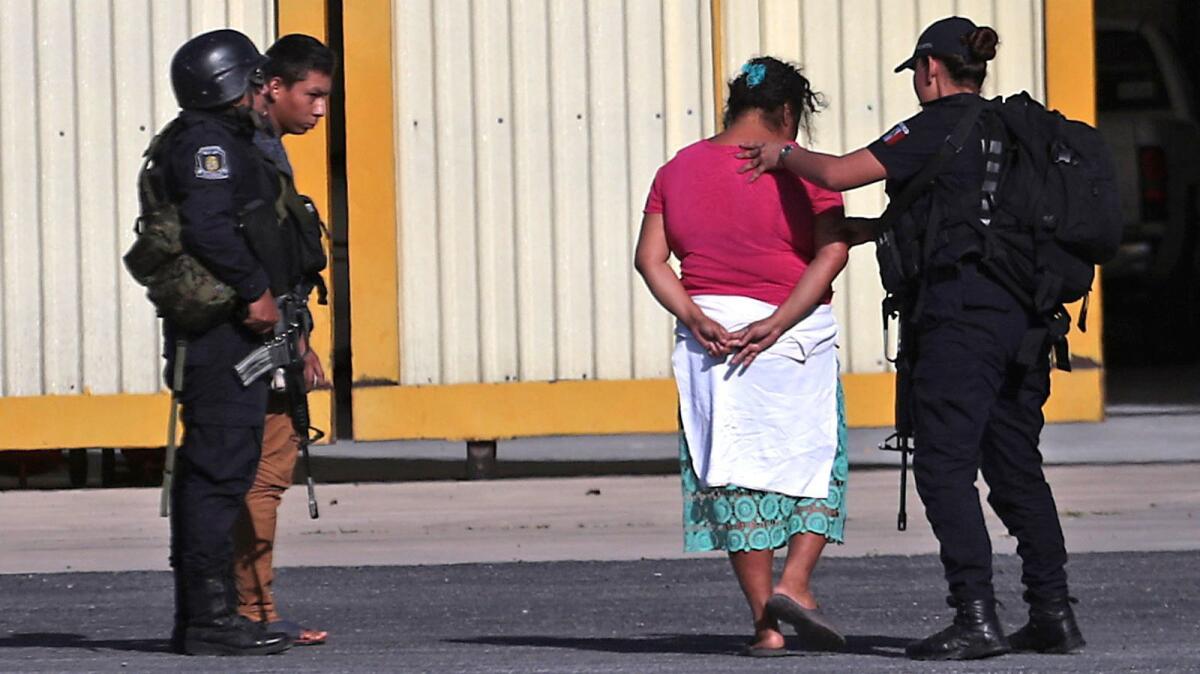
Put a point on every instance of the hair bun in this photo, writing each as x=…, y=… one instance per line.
x=982, y=42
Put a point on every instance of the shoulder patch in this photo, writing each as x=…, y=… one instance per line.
x=211, y=163
x=897, y=134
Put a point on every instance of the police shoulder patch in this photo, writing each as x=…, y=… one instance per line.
x=897, y=134
x=211, y=163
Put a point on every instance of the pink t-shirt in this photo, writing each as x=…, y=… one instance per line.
x=733, y=237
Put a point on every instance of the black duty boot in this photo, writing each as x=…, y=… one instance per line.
x=975, y=634
x=214, y=628
x=1051, y=627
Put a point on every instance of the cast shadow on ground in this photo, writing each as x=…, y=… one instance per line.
x=694, y=644
x=68, y=640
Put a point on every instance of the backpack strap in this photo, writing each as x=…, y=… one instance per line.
x=925, y=177
x=150, y=187
x=920, y=184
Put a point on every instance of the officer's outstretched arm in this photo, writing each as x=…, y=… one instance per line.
x=826, y=170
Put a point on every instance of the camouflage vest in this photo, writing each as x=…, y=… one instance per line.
x=182, y=290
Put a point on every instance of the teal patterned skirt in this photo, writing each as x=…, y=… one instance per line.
x=737, y=519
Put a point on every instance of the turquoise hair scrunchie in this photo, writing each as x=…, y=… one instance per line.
x=755, y=74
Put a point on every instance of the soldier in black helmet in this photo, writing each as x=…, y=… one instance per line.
x=224, y=191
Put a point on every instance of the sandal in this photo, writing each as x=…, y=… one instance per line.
x=814, y=629
x=301, y=636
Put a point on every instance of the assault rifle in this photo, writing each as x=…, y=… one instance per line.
x=282, y=357
x=902, y=439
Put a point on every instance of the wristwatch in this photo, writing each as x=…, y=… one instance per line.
x=785, y=151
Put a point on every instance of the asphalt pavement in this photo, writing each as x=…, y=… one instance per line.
x=602, y=585
x=1138, y=612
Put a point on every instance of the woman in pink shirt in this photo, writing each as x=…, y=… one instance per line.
x=762, y=444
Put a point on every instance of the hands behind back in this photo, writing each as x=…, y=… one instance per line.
x=711, y=334
x=754, y=339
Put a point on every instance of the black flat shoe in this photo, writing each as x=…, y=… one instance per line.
x=813, y=628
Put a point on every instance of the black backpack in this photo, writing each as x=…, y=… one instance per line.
x=1054, y=208
x=1047, y=214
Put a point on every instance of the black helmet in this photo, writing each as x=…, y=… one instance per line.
x=214, y=69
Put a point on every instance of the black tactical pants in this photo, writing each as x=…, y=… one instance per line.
x=976, y=409
x=217, y=461
x=214, y=469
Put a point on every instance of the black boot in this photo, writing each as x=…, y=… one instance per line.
x=975, y=634
x=214, y=628
x=1051, y=627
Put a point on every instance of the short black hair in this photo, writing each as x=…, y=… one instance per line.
x=293, y=56
x=774, y=85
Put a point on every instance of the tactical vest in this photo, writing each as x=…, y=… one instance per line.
x=307, y=251
x=182, y=290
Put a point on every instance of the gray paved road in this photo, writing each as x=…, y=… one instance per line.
x=1140, y=613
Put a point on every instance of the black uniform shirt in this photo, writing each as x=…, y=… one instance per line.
x=214, y=174
x=910, y=145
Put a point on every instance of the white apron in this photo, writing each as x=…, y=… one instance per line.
x=769, y=427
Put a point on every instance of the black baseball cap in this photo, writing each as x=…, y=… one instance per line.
x=942, y=38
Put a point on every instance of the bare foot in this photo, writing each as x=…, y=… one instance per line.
x=768, y=637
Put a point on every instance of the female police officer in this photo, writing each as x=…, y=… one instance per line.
x=973, y=406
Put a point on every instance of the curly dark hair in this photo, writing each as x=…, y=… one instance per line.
x=780, y=84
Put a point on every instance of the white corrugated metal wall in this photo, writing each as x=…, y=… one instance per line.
x=86, y=85
x=848, y=49
x=528, y=133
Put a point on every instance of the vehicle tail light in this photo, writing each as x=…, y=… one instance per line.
x=1152, y=171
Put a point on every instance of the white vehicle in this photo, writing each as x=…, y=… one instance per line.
x=1146, y=112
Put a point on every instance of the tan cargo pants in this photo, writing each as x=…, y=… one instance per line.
x=254, y=535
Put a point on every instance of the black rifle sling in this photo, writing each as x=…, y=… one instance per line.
x=921, y=182
x=925, y=177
